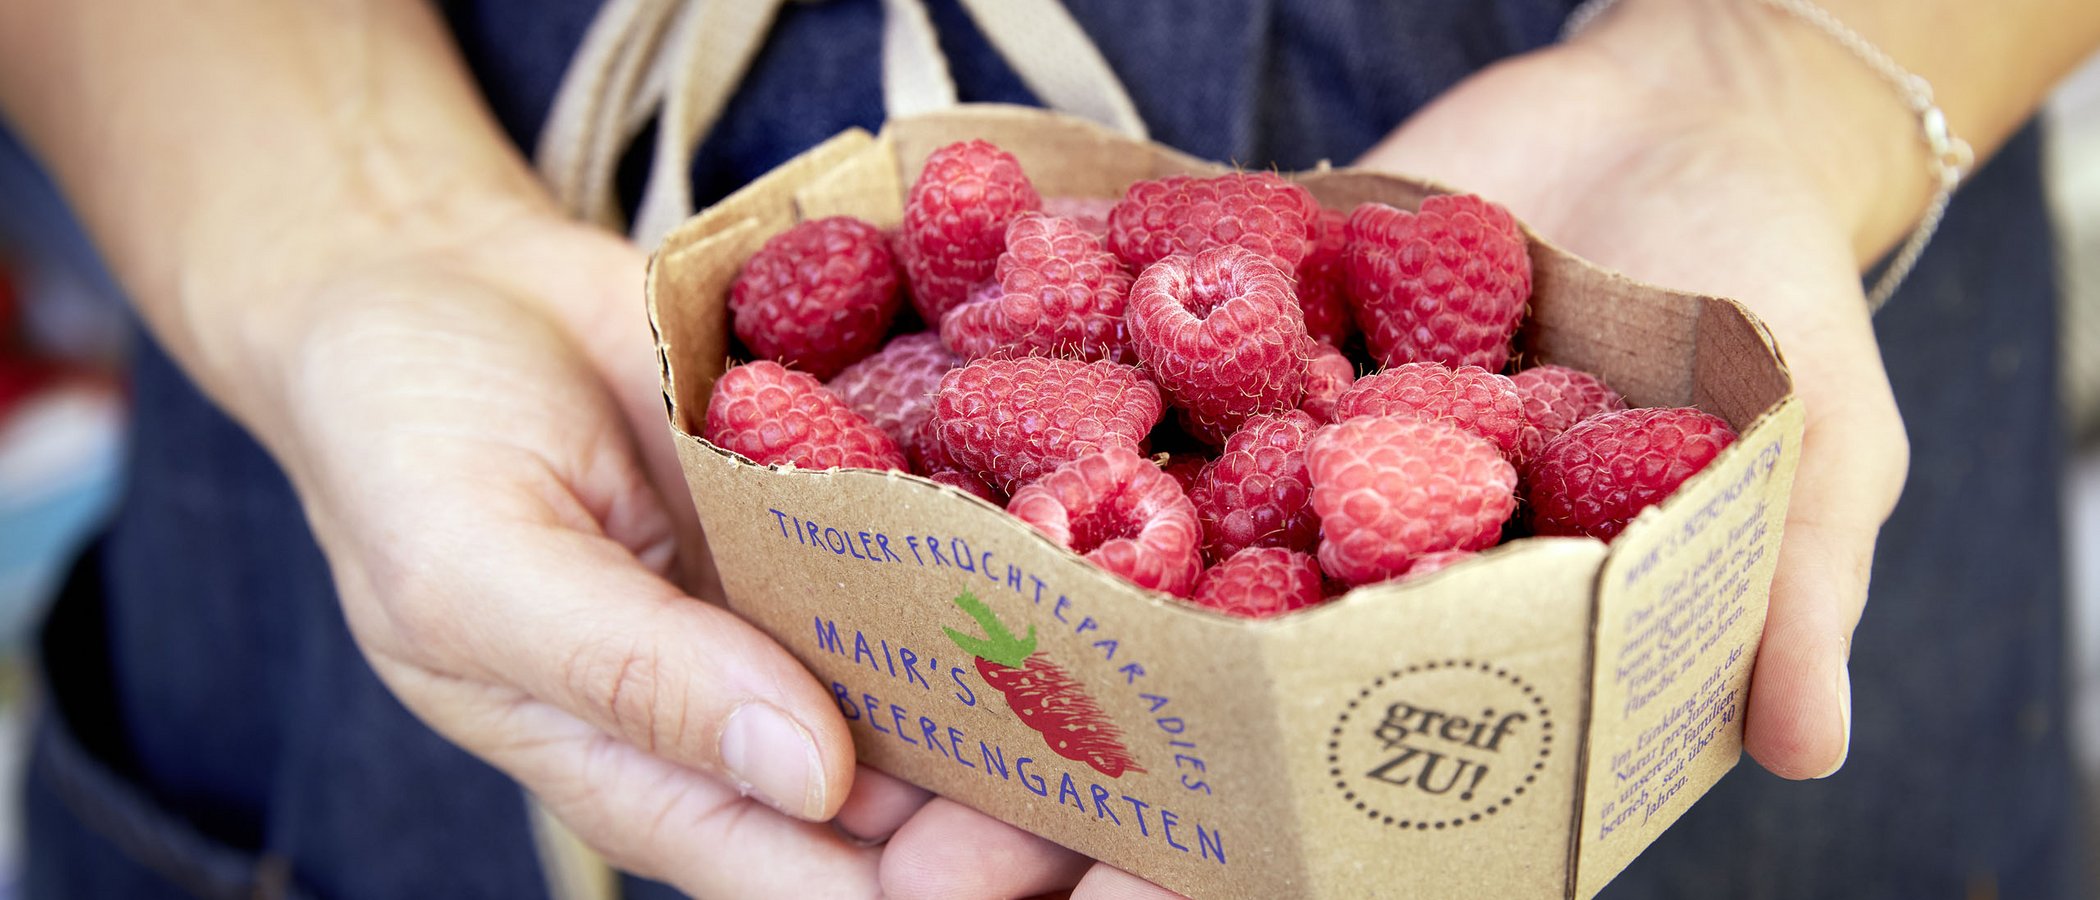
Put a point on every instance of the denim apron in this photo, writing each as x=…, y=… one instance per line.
x=210, y=729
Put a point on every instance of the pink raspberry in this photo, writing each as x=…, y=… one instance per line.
x=1185, y=467
x=1059, y=294
x=1557, y=397
x=894, y=387
x=1260, y=582
x=968, y=484
x=1328, y=375
x=1122, y=513
x=1323, y=282
x=817, y=296
x=1470, y=397
x=1221, y=335
x=774, y=415
x=1182, y=214
x=1257, y=493
x=1597, y=476
x=1447, y=284
x=1442, y=559
x=1013, y=420
x=955, y=220
x=1389, y=489
x=1089, y=213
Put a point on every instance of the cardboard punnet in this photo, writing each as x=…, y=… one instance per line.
x=1519, y=725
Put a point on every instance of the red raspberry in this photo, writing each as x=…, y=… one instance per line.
x=1447, y=284
x=1059, y=294
x=1256, y=494
x=1470, y=397
x=968, y=484
x=894, y=387
x=1185, y=467
x=1323, y=282
x=1089, y=213
x=817, y=296
x=1557, y=397
x=1600, y=474
x=1122, y=513
x=772, y=415
x=1391, y=488
x=1184, y=214
x=1442, y=559
x=1260, y=582
x=1222, y=336
x=955, y=222
x=1328, y=375
x=1013, y=420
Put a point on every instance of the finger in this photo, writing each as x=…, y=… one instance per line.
x=878, y=806
x=1851, y=472
x=646, y=815
x=1106, y=882
x=572, y=619
x=951, y=851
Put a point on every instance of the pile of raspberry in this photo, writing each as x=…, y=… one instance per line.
x=1212, y=387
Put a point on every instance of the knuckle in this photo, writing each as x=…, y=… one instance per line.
x=626, y=686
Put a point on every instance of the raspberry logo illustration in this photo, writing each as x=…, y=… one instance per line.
x=1044, y=696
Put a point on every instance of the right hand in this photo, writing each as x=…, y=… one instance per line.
x=477, y=434
x=478, y=438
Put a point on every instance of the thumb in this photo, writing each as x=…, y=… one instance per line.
x=1852, y=469
x=582, y=627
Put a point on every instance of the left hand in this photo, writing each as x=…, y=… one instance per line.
x=1677, y=187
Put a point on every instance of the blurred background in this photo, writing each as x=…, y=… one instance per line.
x=63, y=424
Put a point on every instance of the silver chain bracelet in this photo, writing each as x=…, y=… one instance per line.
x=1952, y=157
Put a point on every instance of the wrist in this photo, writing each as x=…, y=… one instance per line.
x=1766, y=78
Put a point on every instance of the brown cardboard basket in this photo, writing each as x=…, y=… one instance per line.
x=1519, y=725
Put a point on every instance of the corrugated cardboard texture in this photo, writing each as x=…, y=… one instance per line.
x=1425, y=739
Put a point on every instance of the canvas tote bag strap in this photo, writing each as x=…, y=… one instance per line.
x=681, y=60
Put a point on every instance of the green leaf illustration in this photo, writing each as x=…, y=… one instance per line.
x=999, y=644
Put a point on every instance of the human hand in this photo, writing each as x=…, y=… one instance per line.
x=1703, y=185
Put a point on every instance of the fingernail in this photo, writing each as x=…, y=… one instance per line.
x=773, y=759
x=1844, y=689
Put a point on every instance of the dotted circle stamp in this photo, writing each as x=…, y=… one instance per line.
x=1440, y=744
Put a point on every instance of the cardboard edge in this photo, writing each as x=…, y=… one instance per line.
x=1785, y=411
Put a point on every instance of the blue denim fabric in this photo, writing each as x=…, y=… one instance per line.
x=211, y=685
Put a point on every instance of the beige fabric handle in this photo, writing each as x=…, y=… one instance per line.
x=681, y=60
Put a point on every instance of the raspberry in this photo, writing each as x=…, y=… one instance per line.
x=1059, y=294
x=772, y=415
x=1260, y=582
x=1328, y=375
x=1260, y=211
x=1470, y=397
x=1185, y=467
x=1431, y=562
x=1013, y=420
x=955, y=222
x=894, y=387
x=1557, y=397
x=1122, y=513
x=1089, y=213
x=968, y=484
x=817, y=296
x=1447, y=284
x=1322, y=282
x=1391, y=488
x=1256, y=494
x=1597, y=476
x=1222, y=336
